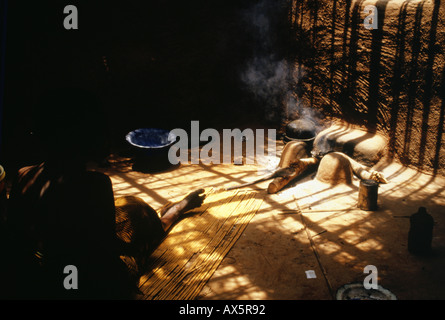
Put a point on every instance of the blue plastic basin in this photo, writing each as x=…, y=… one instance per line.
x=151, y=138
x=150, y=146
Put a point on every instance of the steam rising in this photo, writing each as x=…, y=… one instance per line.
x=267, y=78
x=270, y=76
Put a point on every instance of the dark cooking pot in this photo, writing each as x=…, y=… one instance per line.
x=300, y=130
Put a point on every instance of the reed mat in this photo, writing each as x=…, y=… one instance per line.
x=196, y=245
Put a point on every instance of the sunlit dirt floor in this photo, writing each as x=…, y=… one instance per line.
x=311, y=226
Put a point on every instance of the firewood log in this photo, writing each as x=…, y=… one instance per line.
x=299, y=166
x=365, y=173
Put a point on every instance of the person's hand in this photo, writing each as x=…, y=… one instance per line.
x=194, y=199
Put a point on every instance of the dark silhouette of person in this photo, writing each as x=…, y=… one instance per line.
x=60, y=214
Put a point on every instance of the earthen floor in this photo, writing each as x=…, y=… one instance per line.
x=312, y=226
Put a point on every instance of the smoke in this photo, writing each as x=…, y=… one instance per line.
x=271, y=77
x=267, y=78
x=267, y=73
x=295, y=107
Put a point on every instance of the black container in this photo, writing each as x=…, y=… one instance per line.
x=420, y=233
x=150, y=149
x=368, y=194
x=301, y=130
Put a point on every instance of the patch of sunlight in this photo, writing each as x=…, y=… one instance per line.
x=344, y=257
x=369, y=245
